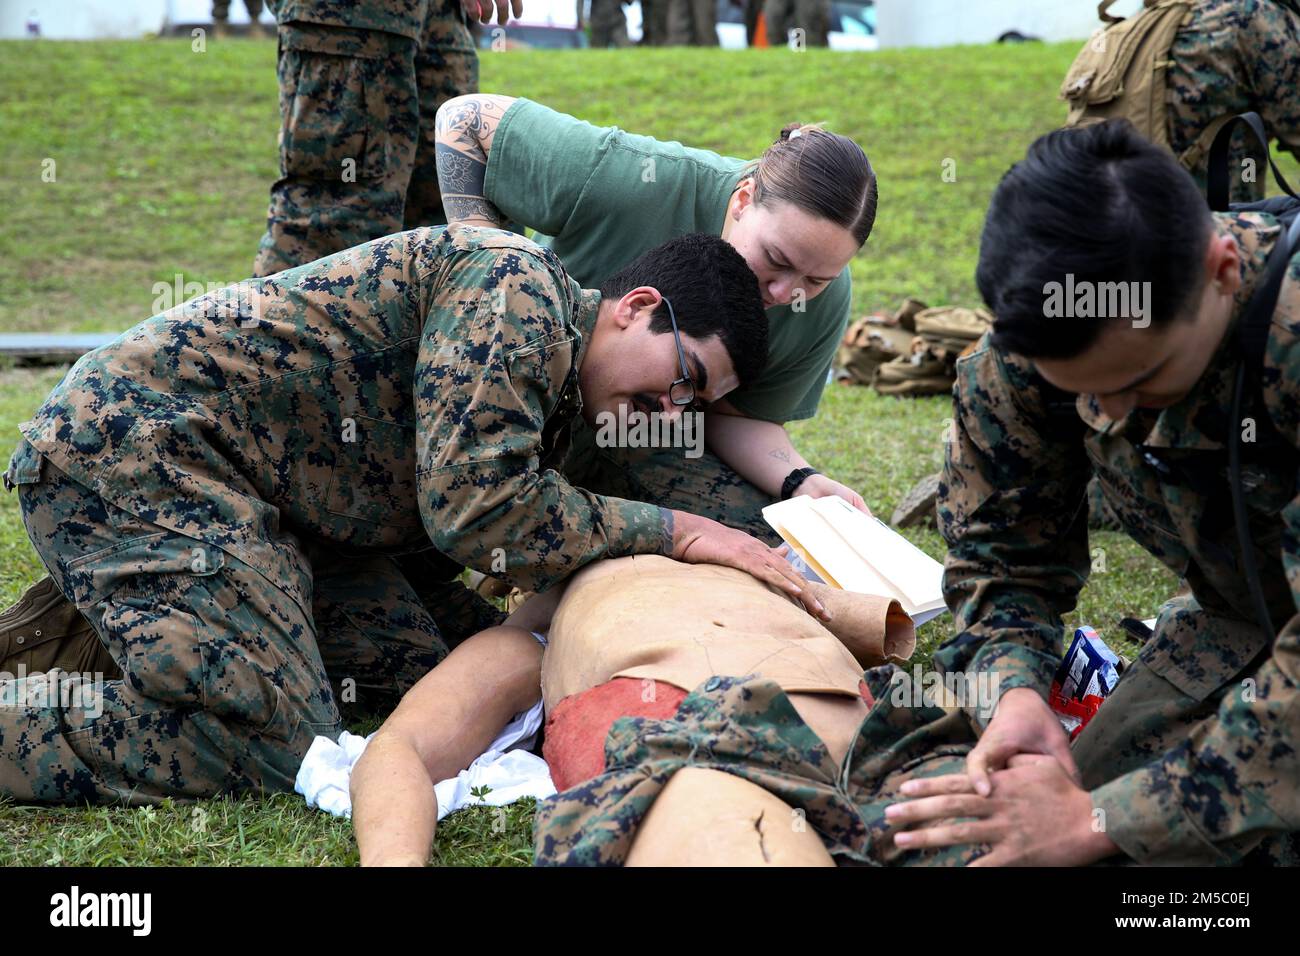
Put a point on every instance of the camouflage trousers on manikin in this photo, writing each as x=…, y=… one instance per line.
x=749, y=728
x=222, y=678
x=705, y=486
x=357, y=110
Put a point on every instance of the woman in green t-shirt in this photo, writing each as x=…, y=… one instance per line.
x=600, y=196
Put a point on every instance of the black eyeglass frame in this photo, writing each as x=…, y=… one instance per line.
x=681, y=359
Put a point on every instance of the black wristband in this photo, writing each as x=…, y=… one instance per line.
x=794, y=480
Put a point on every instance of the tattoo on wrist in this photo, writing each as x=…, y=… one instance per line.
x=667, y=528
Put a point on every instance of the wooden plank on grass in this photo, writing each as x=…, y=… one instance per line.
x=48, y=348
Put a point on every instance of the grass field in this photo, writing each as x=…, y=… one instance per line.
x=162, y=161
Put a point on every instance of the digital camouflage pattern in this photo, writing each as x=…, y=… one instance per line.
x=360, y=85
x=188, y=484
x=1231, y=57
x=747, y=726
x=1194, y=756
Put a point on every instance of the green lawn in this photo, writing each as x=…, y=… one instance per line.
x=162, y=160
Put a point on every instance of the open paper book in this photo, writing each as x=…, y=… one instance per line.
x=847, y=549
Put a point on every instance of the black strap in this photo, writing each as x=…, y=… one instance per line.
x=1218, y=188
x=1252, y=335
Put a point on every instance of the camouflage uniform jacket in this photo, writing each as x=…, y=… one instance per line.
x=1230, y=57
x=414, y=388
x=1011, y=506
x=402, y=17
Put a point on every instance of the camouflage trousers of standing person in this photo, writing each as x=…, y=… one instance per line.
x=221, y=9
x=654, y=22
x=223, y=677
x=692, y=23
x=705, y=486
x=749, y=728
x=813, y=17
x=608, y=24
x=357, y=156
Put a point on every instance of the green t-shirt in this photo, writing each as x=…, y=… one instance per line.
x=600, y=197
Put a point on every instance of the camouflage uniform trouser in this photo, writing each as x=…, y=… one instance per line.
x=357, y=112
x=221, y=9
x=225, y=677
x=654, y=22
x=811, y=16
x=608, y=24
x=692, y=23
x=749, y=728
x=705, y=486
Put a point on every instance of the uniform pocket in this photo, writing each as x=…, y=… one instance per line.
x=336, y=107
x=1199, y=653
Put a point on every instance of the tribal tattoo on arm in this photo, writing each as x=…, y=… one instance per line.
x=464, y=129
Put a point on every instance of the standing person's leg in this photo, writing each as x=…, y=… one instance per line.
x=220, y=18
x=777, y=13
x=679, y=22
x=256, y=28
x=608, y=24
x=350, y=118
x=705, y=485
x=223, y=688
x=654, y=22
x=446, y=65
x=752, y=10
x=814, y=17
x=704, y=23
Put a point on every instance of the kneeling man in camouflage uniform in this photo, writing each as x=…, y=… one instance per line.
x=1126, y=321
x=409, y=396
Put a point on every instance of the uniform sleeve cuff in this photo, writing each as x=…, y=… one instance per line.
x=634, y=527
x=1142, y=819
x=1009, y=666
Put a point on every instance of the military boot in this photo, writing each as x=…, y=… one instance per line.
x=44, y=631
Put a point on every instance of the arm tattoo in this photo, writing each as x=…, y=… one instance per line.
x=468, y=124
x=778, y=453
x=460, y=179
x=667, y=531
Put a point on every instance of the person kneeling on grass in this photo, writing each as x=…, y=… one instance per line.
x=392, y=413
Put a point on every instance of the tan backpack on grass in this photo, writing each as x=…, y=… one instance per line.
x=1122, y=71
x=925, y=344
x=873, y=340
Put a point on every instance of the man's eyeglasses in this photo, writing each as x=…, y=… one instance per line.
x=682, y=390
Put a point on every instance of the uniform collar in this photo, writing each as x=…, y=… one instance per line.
x=1199, y=420
x=586, y=306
